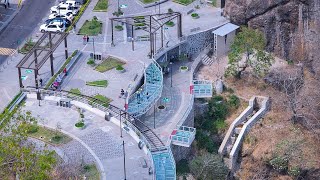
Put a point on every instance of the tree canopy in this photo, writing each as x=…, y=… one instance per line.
x=251, y=43
x=19, y=158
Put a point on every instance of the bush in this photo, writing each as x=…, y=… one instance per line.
x=170, y=23
x=234, y=101
x=211, y=146
x=194, y=15
x=218, y=108
x=279, y=163
x=119, y=68
x=32, y=128
x=170, y=10
x=294, y=171
x=80, y=124
x=90, y=61
x=119, y=27
x=57, y=138
x=183, y=167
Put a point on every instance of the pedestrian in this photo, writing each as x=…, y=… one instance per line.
x=84, y=39
x=87, y=38
x=74, y=27
x=40, y=80
x=65, y=71
x=138, y=97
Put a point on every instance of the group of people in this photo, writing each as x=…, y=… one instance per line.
x=85, y=39
x=55, y=85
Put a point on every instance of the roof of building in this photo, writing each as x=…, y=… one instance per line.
x=225, y=29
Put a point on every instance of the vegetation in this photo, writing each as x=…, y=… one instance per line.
x=75, y=90
x=48, y=135
x=117, y=13
x=170, y=10
x=91, y=62
x=108, y=64
x=170, y=23
x=61, y=69
x=102, y=5
x=251, y=43
x=77, y=17
x=148, y=1
x=102, y=100
x=91, y=172
x=79, y=124
x=119, y=68
x=27, y=46
x=195, y=15
x=99, y=83
x=208, y=166
x=183, y=2
x=183, y=167
x=21, y=159
x=91, y=28
x=184, y=68
x=119, y=27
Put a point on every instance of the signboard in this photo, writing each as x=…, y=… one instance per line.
x=122, y=6
x=28, y=71
x=24, y=77
x=165, y=99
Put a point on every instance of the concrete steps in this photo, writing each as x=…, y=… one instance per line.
x=206, y=60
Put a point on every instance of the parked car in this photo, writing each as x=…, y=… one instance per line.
x=68, y=16
x=52, y=27
x=66, y=22
x=64, y=8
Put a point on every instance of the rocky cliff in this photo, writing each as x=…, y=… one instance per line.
x=291, y=27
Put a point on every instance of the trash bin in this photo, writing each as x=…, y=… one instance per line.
x=65, y=103
x=107, y=116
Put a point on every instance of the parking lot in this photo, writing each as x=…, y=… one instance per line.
x=7, y=13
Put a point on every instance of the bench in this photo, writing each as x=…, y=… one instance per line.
x=191, y=11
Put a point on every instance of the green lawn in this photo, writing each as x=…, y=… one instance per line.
x=50, y=136
x=99, y=83
x=108, y=64
x=105, y=101
x=148, y=1
x=102, y=5
x=183, y=2
x=91, y=28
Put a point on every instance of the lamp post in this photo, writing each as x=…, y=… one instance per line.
x=120, y=124
x=124, y=161
x=94, y=52
x=171, y=64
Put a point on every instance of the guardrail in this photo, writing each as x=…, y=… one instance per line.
x=138, y=126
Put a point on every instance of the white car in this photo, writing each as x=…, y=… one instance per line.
x=52, y=27
x=64, y=8
x=68, y=16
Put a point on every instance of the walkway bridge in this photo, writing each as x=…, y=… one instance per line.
x=146, y=96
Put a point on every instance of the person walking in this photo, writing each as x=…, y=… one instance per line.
x=65, y=71
x=40, y=80
x=84, y=39
x=87, y=38
x=74, y=27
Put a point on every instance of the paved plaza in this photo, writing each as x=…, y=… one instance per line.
x=100, y=136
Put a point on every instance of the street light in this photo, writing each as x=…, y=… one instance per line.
x=171, y=64
x=124, y=161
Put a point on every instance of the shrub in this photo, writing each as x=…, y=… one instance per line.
x=90, y=61
x=194, y=15
x=80, y=124
x=279, y=163
x=170, y=23
x=170, y=10
x=234, y=101
x=56, y=138
x=32, y=128
x=294, y=171
x=183, y=167
x=119, y=68
x=218, y=109
x=119, y=27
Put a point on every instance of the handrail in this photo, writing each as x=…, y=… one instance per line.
x=131, y=121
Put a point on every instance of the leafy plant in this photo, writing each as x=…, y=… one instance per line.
x=170, y=23
x=80, y=124
x=90, y=61
x=279, y=163
x=233, y=101
x=119, y=68
x=119, y=27
x=195, y=15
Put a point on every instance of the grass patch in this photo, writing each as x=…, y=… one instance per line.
x=147, y=1
x=75, y=90
x=108, y=64
x=27, y=46
x=183, y=2
x=49, y=136
x=99, y=83
x=104, y=101
x=91, y=28
x=91, y=172
x=91, y=62
x=102, y=6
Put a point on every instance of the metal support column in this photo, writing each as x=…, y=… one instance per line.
x=179, y=26
x=132, y=38
x=112, y=43
x=36, y=69
x=65, y=47
x=162, y=36
x=51, y=55
x=20, y=80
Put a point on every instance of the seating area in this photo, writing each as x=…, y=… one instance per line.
x=164, y=165
x=202, y=89
x=183, y=136
x=143, y=99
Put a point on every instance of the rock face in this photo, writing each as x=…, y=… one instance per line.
x=291, y=27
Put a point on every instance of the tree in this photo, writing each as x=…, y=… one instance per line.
x=251, y=43
x=19, y=158
x=208, y=166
